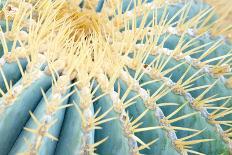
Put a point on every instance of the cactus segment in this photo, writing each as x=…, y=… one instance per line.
x=219, y=49
x=203, y=79
x=15, y=114
x=70, y=138
x=219, y=100
x=11, y=72
x=164, y=144
x=116, y=143
x=41, y=131
x=196, y=121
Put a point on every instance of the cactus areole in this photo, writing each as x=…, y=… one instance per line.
x=115, y=77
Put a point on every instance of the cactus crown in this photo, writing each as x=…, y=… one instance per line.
x=115, y=77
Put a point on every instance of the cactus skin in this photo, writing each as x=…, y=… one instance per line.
x=114, y=77
x=71, y=137
x=16, y=116
x=48, y=147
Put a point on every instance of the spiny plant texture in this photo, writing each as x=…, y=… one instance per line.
x=115, y=77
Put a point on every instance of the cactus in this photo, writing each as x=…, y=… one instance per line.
x=115, y=77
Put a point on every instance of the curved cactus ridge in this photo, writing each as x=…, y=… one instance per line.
x=115, y=77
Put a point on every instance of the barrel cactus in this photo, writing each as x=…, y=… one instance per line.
x=115, y=77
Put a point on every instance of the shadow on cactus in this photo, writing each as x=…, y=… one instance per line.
x=115, y=77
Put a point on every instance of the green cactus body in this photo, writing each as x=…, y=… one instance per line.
x=48, y=147
x=15, y=116
x=120, y=77
x=11, y=73
x=70, y=138
x=163, y=146
x=118, y=143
